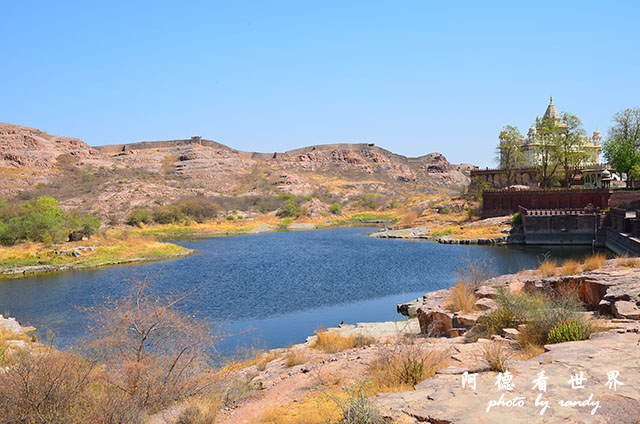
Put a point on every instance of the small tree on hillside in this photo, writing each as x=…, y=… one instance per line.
x=509, y=154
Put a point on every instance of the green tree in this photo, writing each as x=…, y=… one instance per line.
x=571, y=140
x=509, y=154
x=626, y=126
x=622, y=155
x=547, y=151
x=335, y=208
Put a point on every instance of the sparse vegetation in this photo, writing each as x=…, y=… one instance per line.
x=332, y=342
x=495, y=356
x=595, y=261
x=548, y=268
x=462, y=298
x=295, y=357
x=403, y=365
x=570, y=267
x=335, y=208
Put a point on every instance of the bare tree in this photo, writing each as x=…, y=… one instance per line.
x=154, y=353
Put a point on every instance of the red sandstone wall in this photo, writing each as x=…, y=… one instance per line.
x=504, y=202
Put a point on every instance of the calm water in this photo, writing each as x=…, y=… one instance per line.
x=281, y=285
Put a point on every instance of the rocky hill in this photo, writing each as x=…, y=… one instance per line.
x=111, y=180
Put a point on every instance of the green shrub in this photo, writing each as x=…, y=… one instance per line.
x=139, y=217
x=569, y=331
x=41, y=220
x=335, y=208
x=444, y=232
x=291, y=208
x=516, y=219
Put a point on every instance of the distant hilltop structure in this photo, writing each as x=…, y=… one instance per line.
x=590, y=146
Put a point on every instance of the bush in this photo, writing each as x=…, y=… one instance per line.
x=358, y=409
x=291, y=208
x=402, y=366
x=335, y=208
x=194, y=415
x=46, y=388
x=569, y=331
x=41, y=220
x=495, y=356
x=139, y=217
x=516, y=219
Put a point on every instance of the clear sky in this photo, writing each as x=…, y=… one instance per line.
x=411, y=76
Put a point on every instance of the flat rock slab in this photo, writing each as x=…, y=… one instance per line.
x=441, y=399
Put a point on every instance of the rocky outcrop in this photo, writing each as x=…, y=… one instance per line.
x=442, y=399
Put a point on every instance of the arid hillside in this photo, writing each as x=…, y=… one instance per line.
x=112, y=180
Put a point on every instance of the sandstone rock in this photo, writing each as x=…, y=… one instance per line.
x=434, y=323
x=486, y=304
x=626, y=309
x=511, y=333
x=486, y=291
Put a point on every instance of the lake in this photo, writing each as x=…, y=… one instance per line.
x=281, y=286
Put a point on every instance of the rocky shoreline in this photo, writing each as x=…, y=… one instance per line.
x=20, y=271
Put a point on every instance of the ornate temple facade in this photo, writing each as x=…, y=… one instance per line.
x=529, y=146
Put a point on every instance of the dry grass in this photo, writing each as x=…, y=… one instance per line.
x=547, y=268
x=408, y=219
x=462, y=298
x=259, y=359
x=595, y=261
x=496, y=356
x=316, y=408
x=402, y=366
x=109, y=249
x=529, y=351
x=295, y=357
x=569, y=267
x=332, y=342
x=627, y=262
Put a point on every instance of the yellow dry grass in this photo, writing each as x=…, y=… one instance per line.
x=404, y=366
x=627, y=262
x=316, y=408
x=594, y=261
x=106, y=250
x=569, y=267
x=295, y=357
x=547, y=269
x=332, y=342
x=463, y=298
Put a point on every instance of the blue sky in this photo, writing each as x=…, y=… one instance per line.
x=413, y=77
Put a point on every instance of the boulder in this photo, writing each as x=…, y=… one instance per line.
x=486, y=304
x=626, y=309
x=76, y=235
x=434, y=322
x=409, y=309
x=486, y=291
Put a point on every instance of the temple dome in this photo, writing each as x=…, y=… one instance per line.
x=552, y=112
